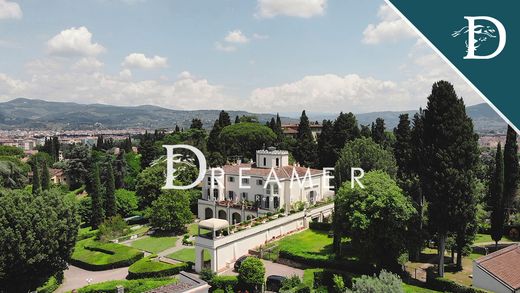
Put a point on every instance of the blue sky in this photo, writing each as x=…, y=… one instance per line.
x=265, y=55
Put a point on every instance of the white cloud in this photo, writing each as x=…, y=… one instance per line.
x=88, y=63
x=74, y=42
x=10, y=10
x=139, y=60
x=56, y=79
x=296, y=8
x=185, y=75
x=390, y=28
x=125, y=73
x=224, y=48
x=236, y=36
x=329, y=92
x=260, y=36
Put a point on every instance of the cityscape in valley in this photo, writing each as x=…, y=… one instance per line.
x=246, y=146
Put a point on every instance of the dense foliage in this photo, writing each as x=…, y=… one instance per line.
x=37, y=236
x=251, y=274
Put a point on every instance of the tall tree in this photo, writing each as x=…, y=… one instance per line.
x=224, y=119
x=345, y=130
x=214, y=142
x=196, y=123
x=365, y=131
x=378, y=132
x=511, y=167
x=110, y=198
x=449, y=159
x=100, y=144
x=46, y=178
x=305, y=152
x=237, y=119
x=120, y=169
x=147, y=150
x=326, y=152
x=97, y=199
x=36, y=181
x=497, y=198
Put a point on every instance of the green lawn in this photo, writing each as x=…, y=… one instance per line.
x=193, y=229
x=187, y=255
x=151, y=267
x=483, y=238
x=154, y=244
x=309, y=243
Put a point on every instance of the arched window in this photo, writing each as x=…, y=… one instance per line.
x=265, y=162
x=277, y=162
x=222, y=215
x=268, y=189
x=208, y=213
x=275, y=188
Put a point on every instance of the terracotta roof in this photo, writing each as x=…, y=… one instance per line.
x=284, y=172
x=504, y=265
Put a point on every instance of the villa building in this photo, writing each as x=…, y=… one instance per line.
x=291, y=130
x=250, y=190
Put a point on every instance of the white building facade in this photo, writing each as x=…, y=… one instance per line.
x=243, y=191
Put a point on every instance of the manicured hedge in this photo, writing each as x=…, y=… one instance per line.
x=97, y=256
x=222, y=282
x=325, y=278
x=320, y=226
x=131, y=286
x=346, y=265
x=52, y=284
x=444, y=285
x=150, y=267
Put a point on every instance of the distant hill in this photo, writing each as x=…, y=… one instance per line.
x=485, y=119
x=40, y=114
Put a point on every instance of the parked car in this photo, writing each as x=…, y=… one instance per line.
x=239, y=261
x=274, y=283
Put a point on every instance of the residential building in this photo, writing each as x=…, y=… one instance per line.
x=249, y=190
x=292, y=130
x=498, y=271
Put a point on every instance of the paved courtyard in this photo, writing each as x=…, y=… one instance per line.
x=76, y=278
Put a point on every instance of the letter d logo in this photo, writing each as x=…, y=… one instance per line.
x=481, y=31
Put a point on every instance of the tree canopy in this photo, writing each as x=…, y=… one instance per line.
x=37, y=236
x=245, y=138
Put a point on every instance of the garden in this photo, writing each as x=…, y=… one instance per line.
x=93, y=255
x=154, y=244
x=187, y=255
x=130, y=286
x=152, y=267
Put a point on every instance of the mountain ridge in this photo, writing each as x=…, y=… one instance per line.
x=40, y=114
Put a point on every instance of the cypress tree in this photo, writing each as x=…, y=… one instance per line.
x=511, y=167
x=345, y=130
x=147, y=150
x=196, y=123
x=497, y=198
x=177, y=129
x=403, y=147
x=237, y=119
x=97, y=200
x=224, y=119
x=448, y=161
x=110, y=197
x=326, y=153
x=214, y=143
x=365, y=131
x=378, y=132
x=120, y=170
x=56, y=148
x=36, y=182
x=46, y=178
x=100, y=144
x=305, y=152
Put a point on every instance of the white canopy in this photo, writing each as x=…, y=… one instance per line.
x=213, y=224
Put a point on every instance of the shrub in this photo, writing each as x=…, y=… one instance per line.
x=223, y=282
x=328, y=278
x=112, y=228
x=251, y=274
x=52, y=284
x=347, y=265
x=96, y=256
x=321, y=226
x=386, y=282
x=207, y=274
x=126, y=202
x=150, y=267
x=291, y=282
x=131, y=286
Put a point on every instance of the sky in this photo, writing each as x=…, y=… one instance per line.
x=285, y=56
